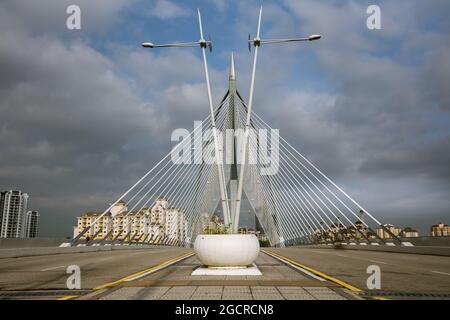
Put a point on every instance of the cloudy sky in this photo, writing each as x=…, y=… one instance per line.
x=84, y=113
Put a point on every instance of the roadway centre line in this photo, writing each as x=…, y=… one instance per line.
x=52, y=268
x=156, y=268
x=318, y=273
x=67, y=298
x=440, y=272
x=312, y=275
x=380, y=262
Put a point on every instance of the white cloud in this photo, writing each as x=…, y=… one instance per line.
x=165, y=9
x=221, y=5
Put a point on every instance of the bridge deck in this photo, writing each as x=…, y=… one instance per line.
x=403, y=276
x=278, y=281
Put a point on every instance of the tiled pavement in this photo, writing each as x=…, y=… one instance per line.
x=223, y=293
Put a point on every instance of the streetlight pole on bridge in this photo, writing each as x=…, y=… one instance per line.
x=256, y=42
x=203, y=44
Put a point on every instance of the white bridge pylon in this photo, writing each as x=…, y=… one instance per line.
x=296, y=204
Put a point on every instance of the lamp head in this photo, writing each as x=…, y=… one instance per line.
x=314, y=37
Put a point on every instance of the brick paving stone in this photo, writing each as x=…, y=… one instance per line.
x=126, y=293
x=236, y=293
x=153, y=293
x=295, y=293
x=266, y=293
x=208, y=293
x=323, y=293
x=179, y=293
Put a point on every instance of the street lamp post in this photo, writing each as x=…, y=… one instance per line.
x=203, y=44
x=256, y=42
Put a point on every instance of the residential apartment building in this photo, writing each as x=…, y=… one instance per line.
x=160, y=224
x=409, y=232
x=383, y=234
x=32, y=224
x=13, y=208
x=440, y=230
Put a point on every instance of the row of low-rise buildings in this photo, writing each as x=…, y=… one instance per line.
x=407, y=232
x=258, y=233
x=437, y=230
x=359, y=230
x=440, y=230
x=15, y=219
x=159, y=224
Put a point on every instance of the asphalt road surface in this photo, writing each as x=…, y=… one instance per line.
x=399, y=272
x=49, y=272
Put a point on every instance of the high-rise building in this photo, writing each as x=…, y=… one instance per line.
x=13, y=208
x=32, y=224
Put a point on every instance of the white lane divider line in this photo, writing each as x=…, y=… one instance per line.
x=105, y=259
x=52, y=268
x=312, y=275
x=319, y=251
x=376, y=261
x=440, y=272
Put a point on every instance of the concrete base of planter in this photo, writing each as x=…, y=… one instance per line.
x=227, y=271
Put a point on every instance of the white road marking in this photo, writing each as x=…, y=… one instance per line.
x=52, y=268
x=104, y=259
x=376, y=261
x=342, y=255
x=319, y=251
x=137, y=253
x=440, y=272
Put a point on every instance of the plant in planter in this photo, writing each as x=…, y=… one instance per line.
x=217, y=247
x=216, y=227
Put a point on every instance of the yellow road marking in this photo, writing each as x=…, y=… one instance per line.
x=67, y=297
x=184, y=256
x=317, y=272
x=106, y=285
x=381, y=298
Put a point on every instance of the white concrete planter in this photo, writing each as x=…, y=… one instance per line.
x=226, y=250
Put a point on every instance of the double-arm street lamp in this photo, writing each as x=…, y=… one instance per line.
x=256, y=42
x=203, y=44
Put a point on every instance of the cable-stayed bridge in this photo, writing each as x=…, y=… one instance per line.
x=293, y=200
